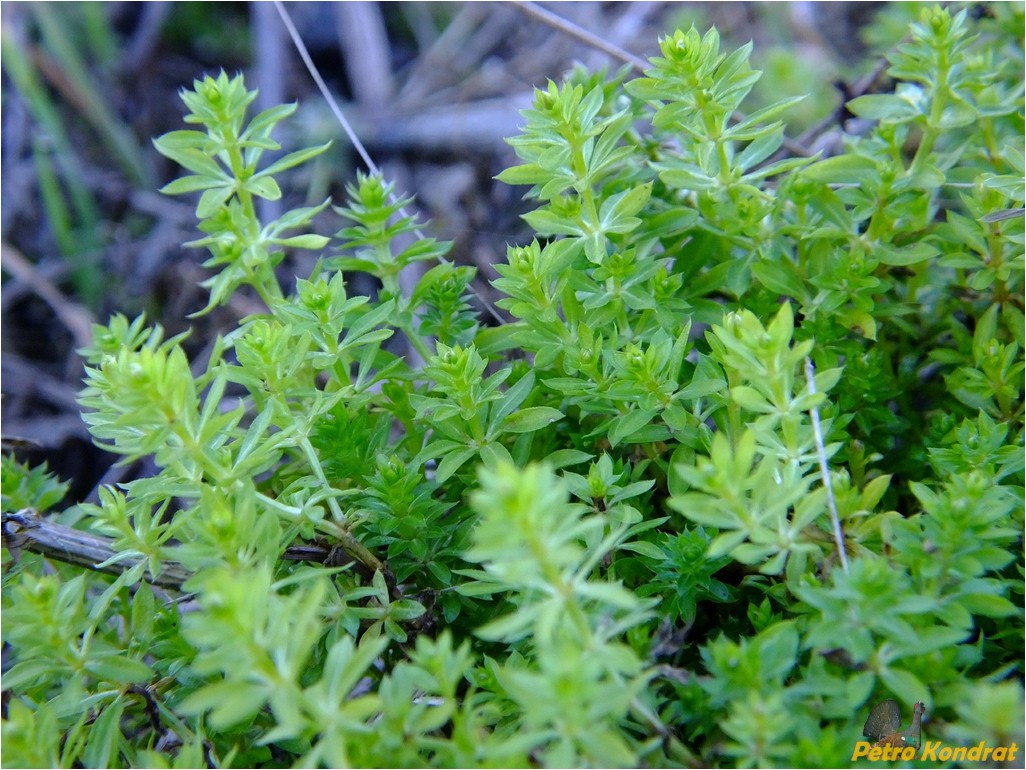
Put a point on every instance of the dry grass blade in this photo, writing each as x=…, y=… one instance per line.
x=75, y=318
x=323, y=88
x=357, y=144
x=824, y=468
x=589, y=38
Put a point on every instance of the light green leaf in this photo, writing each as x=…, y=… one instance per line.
x=229, y=703
x=750, y=399
x=531, y=419
x=310, y=242
x=608, y=593
x=265, y=121
x=528, y=173
x=292, y=159
x=645, y=548
x=626, y=425
x=452, y=462
x=545, y=222
x=617, y=213
x=988, y=605
x=508, y=628
x=883, y=107
x=561, y=458
x=906, y=685
x=119, y=668
x=104, y=735
x=264, y=187
x=781, y=277
x=24, y=674
x=188, y=184
x=212, y=200
x=901, y=256
x=842, y=169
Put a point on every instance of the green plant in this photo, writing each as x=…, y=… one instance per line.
x=599, y=534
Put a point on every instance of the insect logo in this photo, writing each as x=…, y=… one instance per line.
x=883, y=726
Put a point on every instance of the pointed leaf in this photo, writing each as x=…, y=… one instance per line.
x=292, y=159
x=531, y=419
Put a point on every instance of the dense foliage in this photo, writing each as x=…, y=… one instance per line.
x=599, y=535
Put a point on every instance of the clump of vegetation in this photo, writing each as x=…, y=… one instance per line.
x=600, y=534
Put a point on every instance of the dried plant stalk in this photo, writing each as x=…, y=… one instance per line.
x=27, y=530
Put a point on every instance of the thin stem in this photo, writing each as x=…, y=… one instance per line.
x=418, y=342
x=567, y=27
x=733, y=410
x=263, y=281
x=357, y=144
x=323, y=88
x=824, y=468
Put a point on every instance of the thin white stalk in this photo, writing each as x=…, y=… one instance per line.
x=357, y=144
x=824, y=468
x=322, y=86
x=567, y=27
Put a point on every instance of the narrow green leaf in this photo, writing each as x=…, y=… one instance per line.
x=508, y=628
x=645, y=548
x=452, y=462
x=104, y=735
x=903, y=256
x=192, y=159
x=514, y=397
x=264, y=187
x=23, y=675
x=143, y=612
x=212, y=200
x=310, y=242
x=263, y=122
x=292, y=159
x=617, y=213
x=781, y=277
x=229, y=703
x=842, y=169
x=193, y=183
x=561, y=458
x=988, y=605
x=750, y=399
x=883, y=107
x=545, y=222
x=623, y=427
x=118, y=668
x=531, y=419
x=185, y=139
x=528, y=173
x=906, y=685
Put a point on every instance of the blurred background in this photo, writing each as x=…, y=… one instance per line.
x=431, y=88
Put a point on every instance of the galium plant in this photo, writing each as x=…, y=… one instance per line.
x=596, y=535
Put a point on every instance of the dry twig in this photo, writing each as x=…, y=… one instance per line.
x=29, y=531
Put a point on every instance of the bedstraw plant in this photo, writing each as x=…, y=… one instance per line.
x=598, y=534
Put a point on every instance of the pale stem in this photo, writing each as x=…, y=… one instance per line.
x=824, y=468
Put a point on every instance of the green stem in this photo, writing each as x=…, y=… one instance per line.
x=563, y=589
x=721, y=152
x=733, y=410
x=932, y=130
x=413, y=336
x=318, y=471
x=266, y=285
